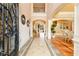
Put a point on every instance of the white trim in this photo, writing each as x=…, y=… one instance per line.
x=65, y=15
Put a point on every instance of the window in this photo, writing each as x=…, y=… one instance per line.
x=39, y=7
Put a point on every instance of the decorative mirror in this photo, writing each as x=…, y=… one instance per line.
x=23, y=19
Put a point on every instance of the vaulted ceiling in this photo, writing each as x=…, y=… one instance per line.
x=68, y=8
x=66, y=11
x=52, y=9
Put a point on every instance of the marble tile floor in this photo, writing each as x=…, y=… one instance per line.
x=38, y=48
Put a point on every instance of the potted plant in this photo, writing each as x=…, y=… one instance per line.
x=53, y=28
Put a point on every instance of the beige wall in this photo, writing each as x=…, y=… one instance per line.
x=23, y=29
x=51, y=9
x=25, y=9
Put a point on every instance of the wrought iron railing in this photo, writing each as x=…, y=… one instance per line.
x=9, y=18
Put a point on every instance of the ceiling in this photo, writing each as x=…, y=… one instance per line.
x=66, y=11
x=68, y=7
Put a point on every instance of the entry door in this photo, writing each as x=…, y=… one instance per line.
x=9, y=41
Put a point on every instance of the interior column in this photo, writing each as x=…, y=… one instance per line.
x=49, y=29
x=76, y=30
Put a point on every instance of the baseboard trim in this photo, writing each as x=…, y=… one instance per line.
x=49, y=47
x=25, y=48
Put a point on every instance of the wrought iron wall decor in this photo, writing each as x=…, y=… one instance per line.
x=28, y=23
x=9, y=19
x=23, y=19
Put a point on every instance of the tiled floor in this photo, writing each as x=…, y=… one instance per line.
x=38, y=48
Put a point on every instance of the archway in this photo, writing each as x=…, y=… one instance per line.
x=38, y=26
x=62, y=36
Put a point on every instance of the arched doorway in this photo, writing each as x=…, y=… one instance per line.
x=62, y=36
x=38, y=26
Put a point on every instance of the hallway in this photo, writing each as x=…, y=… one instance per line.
x=39, y=29
x=38, y=48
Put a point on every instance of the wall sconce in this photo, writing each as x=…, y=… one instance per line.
x=28, y=22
